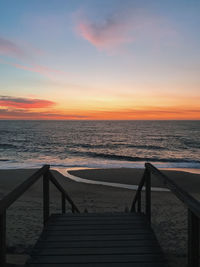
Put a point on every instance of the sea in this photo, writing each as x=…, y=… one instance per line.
x=99, y=144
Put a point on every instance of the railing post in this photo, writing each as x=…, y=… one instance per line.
x=133, y=208
x=139, y=202
x=148, y=195
x=45, y=197
x=73, y=209
x=63, y=203
x=3, y=239
x=193, y=240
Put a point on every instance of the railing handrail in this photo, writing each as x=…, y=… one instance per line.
x=11, y=197
x=138, y=192
x=62, y=190
x=192, y=203
x=16, y=193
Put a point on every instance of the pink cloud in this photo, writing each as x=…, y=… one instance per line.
x=24, y=103
x=9, y=48
x=24, y=114
x=105, y=36
x=126, y=25
x=43, y=70
x=109, y=33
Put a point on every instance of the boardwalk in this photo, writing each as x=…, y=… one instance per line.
x=109, y=239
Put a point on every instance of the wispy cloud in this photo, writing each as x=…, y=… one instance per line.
x=43, y=70
x=10, y=48
x=124, y=25
x=19, y=53
x=24, y=103
x=107, y=33
x=19, y=114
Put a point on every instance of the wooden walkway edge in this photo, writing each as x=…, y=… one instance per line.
x=107, y=239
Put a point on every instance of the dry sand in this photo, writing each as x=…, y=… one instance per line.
x=169, y=216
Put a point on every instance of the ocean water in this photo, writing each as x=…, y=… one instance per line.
x=99, y=144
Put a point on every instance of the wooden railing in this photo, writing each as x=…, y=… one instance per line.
x=190, y=202
x=22, y=188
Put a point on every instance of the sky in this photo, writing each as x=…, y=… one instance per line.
x=100, y=59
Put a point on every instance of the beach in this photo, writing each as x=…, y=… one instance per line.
x=169, y=216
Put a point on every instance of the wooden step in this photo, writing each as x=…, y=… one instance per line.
x=104, y=239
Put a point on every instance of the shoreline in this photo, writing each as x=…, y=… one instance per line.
x=86, y=164
x=107, y=183
x=129, y=178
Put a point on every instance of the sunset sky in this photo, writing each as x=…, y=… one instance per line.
x=99, y=59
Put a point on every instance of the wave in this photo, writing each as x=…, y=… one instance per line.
x=7, y=146
x=95, y=162
x=130, y=158
x=115, y=145
x=191, y=144
x=148, y=147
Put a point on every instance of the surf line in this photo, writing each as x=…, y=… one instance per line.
x=126, y=186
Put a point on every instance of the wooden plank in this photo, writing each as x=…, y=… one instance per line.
x=97, y=251
x=62, y=227
x=104, y=214
x=92, y=222
x=98, y=258
x=97, y=222
x=85, y=222
x=101, y=237
x=95, y=240
x=98, y=232
x=73, y=218
x=101, y=215
x=98, y=215
x=97, y=243
x=98, y=219
x=127, y=264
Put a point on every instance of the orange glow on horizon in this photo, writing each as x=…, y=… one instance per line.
x=151, y=113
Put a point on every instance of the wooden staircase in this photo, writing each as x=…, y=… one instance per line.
x=104, y=239
x=107, y=239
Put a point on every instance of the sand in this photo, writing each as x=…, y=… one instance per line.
x=169, y=216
